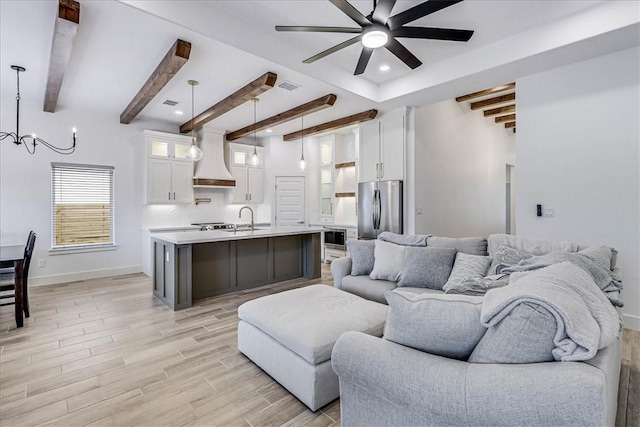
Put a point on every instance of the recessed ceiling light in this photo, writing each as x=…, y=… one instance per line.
x=269, y=130
x=384, y=68
x=178, y=112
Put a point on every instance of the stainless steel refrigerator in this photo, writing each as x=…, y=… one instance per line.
x=379, y=208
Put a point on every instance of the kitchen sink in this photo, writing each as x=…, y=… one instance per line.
x=231, y=230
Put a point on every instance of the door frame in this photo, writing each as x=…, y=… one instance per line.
x=275, y=195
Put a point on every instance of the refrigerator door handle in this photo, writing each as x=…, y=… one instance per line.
x=377, y=209
x=374, y=209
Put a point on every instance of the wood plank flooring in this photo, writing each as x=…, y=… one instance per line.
x=105, y=352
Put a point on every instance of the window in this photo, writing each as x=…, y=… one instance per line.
x=82, y=212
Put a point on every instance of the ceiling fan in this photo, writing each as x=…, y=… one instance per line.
x=379, y=29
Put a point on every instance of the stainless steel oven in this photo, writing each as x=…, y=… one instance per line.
x=335, y=238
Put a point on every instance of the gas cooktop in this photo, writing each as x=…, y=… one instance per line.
x=213, y=225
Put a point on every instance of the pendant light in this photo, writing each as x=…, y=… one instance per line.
x=303, y=164
x=255, y=160
x=193, y=152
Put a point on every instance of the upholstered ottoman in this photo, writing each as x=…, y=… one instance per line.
x=290, y=335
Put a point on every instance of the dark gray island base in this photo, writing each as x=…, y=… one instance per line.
x=190, y=266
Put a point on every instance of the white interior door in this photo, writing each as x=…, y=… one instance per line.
x=290, y=201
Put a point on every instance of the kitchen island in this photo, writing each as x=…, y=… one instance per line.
x=192, y=265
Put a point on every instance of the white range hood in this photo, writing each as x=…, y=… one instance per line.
x=211, y=171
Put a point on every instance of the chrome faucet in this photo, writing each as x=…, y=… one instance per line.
x=250, y=210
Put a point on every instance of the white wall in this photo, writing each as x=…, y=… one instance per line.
x=25, y=188
x=459, y=168
x=578, y=153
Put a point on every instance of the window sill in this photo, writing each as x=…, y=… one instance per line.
x=67, y=251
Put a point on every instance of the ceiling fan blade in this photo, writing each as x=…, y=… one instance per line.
x=318, y=29
x=419, y=11
x=351, y=12
x=382, y=11
x=332, y=50
x=395, y=47
x=433, y=33
x=363, y=61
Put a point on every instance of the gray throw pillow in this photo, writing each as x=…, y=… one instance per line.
x=599, y=254
x=467, y=245
x=525, y=335
x=506, y=257
x=467, y=267
x=446, y=325
x=361, y=252
x=387, y=264
x=426, y=267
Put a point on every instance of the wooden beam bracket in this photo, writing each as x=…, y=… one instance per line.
x=334, y=124
x=239, y=97
x=493, y=101
x=294, y=113
x=175, y=58
x=485, y=92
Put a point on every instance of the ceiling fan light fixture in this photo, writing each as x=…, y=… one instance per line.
x=375, y=37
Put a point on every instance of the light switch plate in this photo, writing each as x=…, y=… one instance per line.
x=548, y=212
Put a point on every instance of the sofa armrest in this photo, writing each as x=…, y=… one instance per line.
x=384, y=383
x=340, y=268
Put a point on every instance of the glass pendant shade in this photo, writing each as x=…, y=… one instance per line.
x=255, y=160
x=193, y=152
x=302, y=164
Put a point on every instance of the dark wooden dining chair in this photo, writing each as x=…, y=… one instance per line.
x=8, y=281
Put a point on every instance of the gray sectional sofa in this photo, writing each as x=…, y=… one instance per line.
x=437, y=365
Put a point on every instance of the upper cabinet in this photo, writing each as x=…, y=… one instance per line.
x=382, y=148
x=249, y=177
x=168, y=174
x=327, y=147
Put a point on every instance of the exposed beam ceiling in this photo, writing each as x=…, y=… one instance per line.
x=507, y=118
x=334, y=124
x=500, y=110
x=175, y=58
x=239, y=97
x=486, y=92
x=64, y=33
x=493, y=101
x=299, y=111
x=510, y=125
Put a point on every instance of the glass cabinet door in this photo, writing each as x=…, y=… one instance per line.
x=326, y=181
x=159, y=148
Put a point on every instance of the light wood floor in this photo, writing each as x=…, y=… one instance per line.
x=106, y=352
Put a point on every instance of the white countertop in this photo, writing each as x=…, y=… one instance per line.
x=156, y=229
x=188, y=237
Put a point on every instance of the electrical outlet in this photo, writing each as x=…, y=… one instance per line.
x=42, y=263
x=548, y=212
x=418, y=211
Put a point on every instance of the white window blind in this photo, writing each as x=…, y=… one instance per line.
x=82, y=208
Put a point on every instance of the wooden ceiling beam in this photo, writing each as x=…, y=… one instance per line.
x=239, y=97
x=64, y=33
x=493, y=101
x=500, y=110
x=175, y=58
x=510, y=125
x=294, y=113
x=486, y=92
x=334, y=124
x=507, y=118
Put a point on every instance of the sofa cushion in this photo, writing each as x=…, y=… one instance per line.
x=506, y=257
x=362, y=256
x=445, y=325
x=529, y=245
x=426, y=267
x=368, y=288
x=525, y=335
x=467, y=245
x=468, y=267
x=601, y=254
x=388, y=261
x=403, y=239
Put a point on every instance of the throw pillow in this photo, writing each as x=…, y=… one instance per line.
x=467, y=245
x=446, y=325
x=600, y=254
x=468, y=267
x=525, y=335
x=387, y=264
x=426, y=267
x=362, y=253
x=403, y=239
x=506, y=257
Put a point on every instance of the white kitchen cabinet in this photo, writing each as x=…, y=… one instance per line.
x=249, y=178
x=169, y=175
x=382, y=148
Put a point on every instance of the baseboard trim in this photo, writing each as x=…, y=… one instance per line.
x=83, y=275
x=631, y=322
